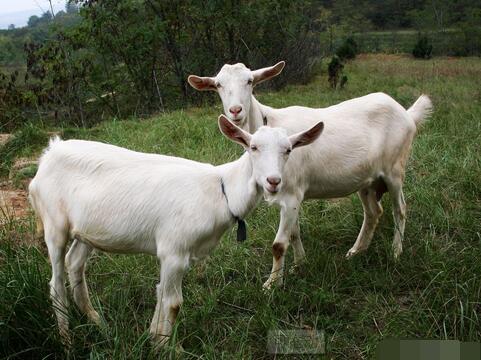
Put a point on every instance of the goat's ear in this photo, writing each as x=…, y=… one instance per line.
x=201, y=83
x=233, y=132
x=308, y=136
x=267, y=73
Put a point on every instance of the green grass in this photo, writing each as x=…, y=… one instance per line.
x=29, y=139
x=433, y=292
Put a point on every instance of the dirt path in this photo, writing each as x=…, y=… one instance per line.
x=14, y=206
x=13, y=203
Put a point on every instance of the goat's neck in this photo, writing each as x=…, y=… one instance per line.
x=240, y=186
x=255, y=118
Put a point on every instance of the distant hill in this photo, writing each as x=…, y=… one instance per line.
x=20, y=18
x=37, y=30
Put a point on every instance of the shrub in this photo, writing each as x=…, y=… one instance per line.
x=423, y=48
x=348, y=50
x=343, y=81
x=334, y=70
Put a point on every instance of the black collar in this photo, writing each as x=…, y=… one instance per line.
x=241, y=224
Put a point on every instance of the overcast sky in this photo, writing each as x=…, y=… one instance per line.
x=17, y=12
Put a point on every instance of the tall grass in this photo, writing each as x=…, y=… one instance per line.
x=433, y=292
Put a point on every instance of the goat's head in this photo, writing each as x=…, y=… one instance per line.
x=269, y=150
x=235, y=83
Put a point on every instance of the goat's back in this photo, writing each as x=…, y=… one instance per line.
x=121, y=200
x=362, y=139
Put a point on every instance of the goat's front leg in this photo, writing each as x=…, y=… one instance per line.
x=169, y=297
x=298, y=249
x=287, y=226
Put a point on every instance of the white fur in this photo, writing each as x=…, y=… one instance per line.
x=117, y=200
x=365, y=140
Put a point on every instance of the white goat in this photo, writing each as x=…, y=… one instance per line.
x=117, y=200
x=364, y=148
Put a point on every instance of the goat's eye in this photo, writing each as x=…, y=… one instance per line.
x=288, y=151
x=253, y=148
x=218, y=85
x=249, y=82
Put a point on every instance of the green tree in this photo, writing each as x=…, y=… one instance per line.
x=33, y=21
x=71, y=7
x=127, y=57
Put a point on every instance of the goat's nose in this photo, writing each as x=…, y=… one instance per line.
x=234, y=110
x=274, y=180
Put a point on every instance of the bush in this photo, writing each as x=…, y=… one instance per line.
x=423, y=48
x=334, y=70
x=343, y=81
x=348, y=50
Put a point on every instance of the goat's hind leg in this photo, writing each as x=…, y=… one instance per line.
x=371, y=203
x=56, y=238
x=77, y=258
x=395, y=185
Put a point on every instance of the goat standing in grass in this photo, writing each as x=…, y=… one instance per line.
x=117, y=200
x=364, y=149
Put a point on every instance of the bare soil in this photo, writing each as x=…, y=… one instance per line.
x=13, y=203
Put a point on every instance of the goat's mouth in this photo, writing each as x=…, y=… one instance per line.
x=271, y=189
x=236, y=119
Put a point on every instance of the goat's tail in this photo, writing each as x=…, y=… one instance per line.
x=421, y=109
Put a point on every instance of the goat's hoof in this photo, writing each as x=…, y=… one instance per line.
x=94, y=317
x=397, y=252
x=65, y=338
x=296, y=267
x=351, y=253
x=270, y=283
x=159, y=341
x=267, y=285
